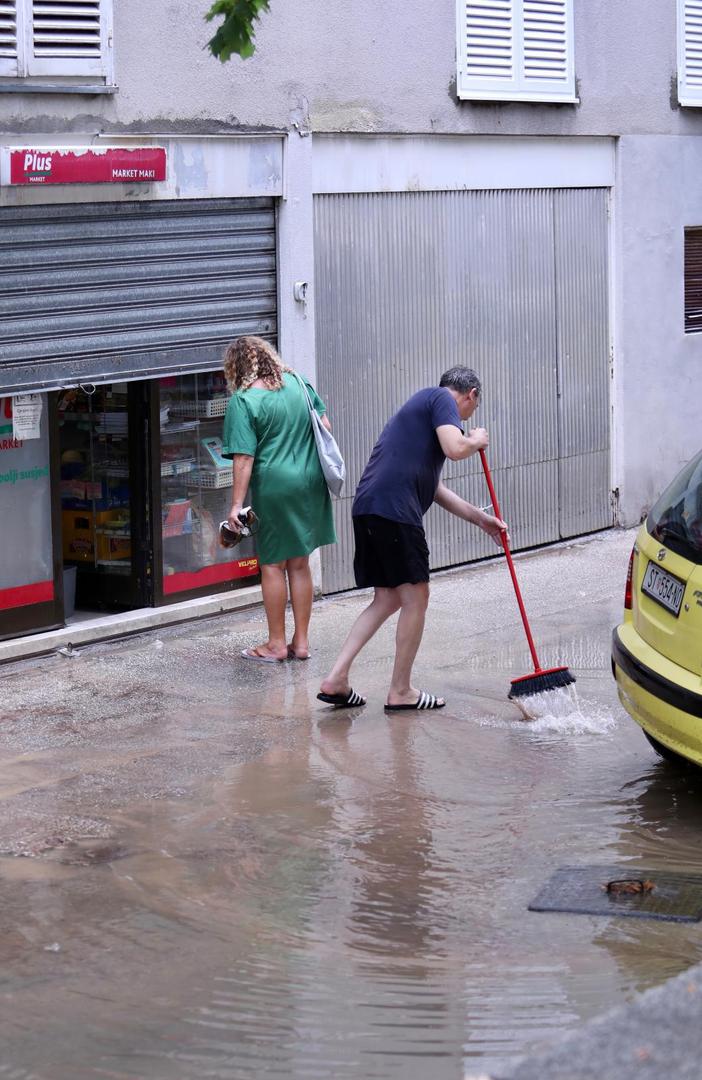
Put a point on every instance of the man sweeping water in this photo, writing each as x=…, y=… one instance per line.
x=400, y=482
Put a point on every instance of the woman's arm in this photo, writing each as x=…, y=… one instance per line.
x=242, y=467
x=325, y=421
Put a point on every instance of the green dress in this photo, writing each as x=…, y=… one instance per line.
x=288, y=490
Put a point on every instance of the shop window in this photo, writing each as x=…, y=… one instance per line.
x=196, y=488
x=516, y=50
x=693, y=280
x=56, y=38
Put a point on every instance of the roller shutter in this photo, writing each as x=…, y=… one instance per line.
x=513, y=282
x=113, y=291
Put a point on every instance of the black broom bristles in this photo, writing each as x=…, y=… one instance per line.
x=541, y=681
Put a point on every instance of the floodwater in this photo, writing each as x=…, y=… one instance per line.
x=206, y=874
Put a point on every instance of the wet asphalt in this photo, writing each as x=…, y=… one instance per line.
x=204, y=872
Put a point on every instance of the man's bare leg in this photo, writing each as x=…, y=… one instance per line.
x=410, y=627
x=384, y=604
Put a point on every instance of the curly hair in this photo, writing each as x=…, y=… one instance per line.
x=250, y=358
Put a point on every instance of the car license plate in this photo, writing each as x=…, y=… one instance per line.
x=663, y=587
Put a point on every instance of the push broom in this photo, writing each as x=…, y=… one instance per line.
x=543, y=678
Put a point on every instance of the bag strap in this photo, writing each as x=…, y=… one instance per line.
x=303, y=384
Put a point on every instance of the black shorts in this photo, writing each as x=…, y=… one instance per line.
x=389, y=553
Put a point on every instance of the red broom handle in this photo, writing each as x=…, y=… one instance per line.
x=510, y=563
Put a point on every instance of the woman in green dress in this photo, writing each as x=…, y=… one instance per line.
x=268, y=435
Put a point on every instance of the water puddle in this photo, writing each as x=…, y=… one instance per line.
x=213, y=878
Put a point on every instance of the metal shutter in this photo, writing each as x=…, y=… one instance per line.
x=112, y=291
x=514, y=282
x=693, y=280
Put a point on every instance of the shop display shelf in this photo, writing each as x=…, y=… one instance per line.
x=179, y=467
x=112, y=470
x=115, y=566
x=175, y=429
x=207, y=407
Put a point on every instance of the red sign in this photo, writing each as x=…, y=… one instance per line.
x=94, y=165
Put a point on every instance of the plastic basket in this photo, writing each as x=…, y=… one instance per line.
x=202, y=407
x=215, y=478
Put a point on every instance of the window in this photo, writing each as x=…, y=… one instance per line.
x=690, y=52
x=56, y=37
x=516, y=50
x=693, y=280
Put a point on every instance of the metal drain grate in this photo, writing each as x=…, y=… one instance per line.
x=582, y=890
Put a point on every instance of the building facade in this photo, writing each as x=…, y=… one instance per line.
x=384, y=192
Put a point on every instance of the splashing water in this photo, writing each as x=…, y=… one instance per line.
x=562, y=711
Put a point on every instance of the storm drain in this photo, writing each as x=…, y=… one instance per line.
x=617, y=890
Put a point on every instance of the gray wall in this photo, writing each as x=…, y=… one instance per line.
x=657, y=392
x=366, y=67
x=390, y=67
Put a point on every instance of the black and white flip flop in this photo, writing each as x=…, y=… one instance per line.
x=342, y=701
x=424, y=701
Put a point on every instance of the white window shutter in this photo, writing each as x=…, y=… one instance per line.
x=690, y=52
x=69, y=37
x=486, y=46
x=548, y=46
x=9, y=38
x=519, y=50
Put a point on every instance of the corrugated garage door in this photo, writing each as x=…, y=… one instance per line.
x=512, y=283
x=114, y=290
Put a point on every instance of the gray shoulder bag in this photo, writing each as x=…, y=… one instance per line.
x=330, y=458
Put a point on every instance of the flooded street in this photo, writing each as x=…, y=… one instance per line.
x=204, y=872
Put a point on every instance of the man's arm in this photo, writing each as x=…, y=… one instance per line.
x=452, y=502
x=458, y=446
x=242, y=466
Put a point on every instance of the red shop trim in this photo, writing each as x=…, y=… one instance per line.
x=23, y=595
x=209, y=575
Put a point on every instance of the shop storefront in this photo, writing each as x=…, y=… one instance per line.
x=116, y=315
x=143, y=489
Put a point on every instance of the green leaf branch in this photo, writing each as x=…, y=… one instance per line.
x=236, y=34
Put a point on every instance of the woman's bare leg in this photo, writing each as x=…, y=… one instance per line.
x=301, y=596
x=384, y=604
x=275, y=598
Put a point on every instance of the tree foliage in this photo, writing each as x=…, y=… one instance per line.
x=236, y=34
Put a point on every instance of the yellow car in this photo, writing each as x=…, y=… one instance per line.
x=657, y=649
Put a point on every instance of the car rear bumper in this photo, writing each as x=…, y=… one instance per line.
x=667, y=706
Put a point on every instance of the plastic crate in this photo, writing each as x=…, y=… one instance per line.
x=215, y=478
x=207, y=407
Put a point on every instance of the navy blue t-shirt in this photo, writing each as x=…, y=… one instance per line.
x=402, y=475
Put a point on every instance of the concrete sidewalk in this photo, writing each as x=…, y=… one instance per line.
x=88, y=631
x=659, y=1035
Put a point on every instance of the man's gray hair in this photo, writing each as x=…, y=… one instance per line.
x=462, y=379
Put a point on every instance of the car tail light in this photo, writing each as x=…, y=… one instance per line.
x=629, y=580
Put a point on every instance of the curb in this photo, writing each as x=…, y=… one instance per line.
x=109, y=627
